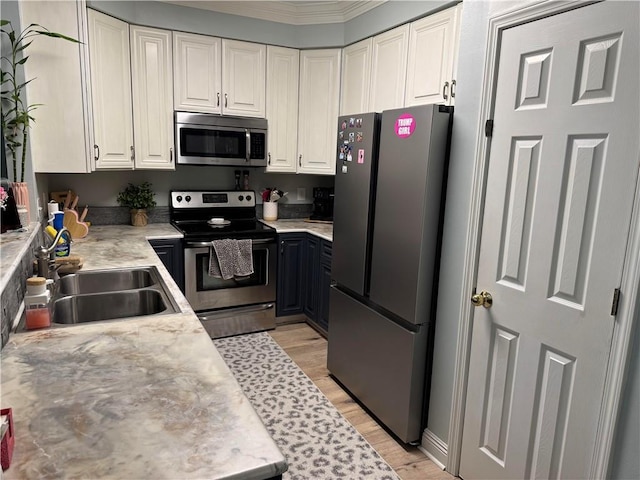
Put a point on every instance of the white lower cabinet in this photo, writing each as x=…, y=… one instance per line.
x=283, y=67
x=60, y=137
x=132, y=94
x=152, y=87
x=318, y=110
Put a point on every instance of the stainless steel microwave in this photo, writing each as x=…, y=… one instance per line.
x=208, y=139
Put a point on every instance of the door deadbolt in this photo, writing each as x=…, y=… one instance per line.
x=483, y=299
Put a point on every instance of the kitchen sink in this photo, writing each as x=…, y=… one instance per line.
x=109, y=295
x=107, y=281
x=107, y=306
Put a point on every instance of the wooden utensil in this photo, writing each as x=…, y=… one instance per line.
x=67, y=200
x=77, y=228
x=84, y=213
x=75, y=202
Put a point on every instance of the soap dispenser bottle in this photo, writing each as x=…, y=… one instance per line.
x=36, y=304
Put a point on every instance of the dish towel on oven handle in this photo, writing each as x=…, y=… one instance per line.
x=229, y=258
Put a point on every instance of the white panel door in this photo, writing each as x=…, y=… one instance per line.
x=389, y=69
x=283, y=71
x=111, y=91
x=562, y=173
x=432, y=44
x=356, y=77
x=243, y=78
x=152, y=98
x=197, y=73
x=318, y=110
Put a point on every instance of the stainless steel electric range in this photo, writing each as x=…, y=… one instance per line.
x=237, y=305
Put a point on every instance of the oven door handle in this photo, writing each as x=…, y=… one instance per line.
x=208, y=244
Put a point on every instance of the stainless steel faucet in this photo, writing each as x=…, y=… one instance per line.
x=46, y=255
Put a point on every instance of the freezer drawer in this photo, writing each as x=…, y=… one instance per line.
x=379, y=362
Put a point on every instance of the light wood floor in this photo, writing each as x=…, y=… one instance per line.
x=309, y=350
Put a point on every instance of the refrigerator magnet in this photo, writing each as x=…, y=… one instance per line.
x=405, y=125
x=361, y=155
x=344, y=169
x=359, y=136
x=343, y=125
x=341, y=135
x=352, y=137
x=352, y=122
x=349, y=157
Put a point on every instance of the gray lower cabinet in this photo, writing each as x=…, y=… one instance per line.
x=304, y=278
x=291, y=265
x=171, y=253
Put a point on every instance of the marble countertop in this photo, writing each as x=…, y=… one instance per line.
x=148, y=397
x=322, y=230
x=13, y=246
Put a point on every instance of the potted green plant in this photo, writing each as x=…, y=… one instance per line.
x=16, y=113
x=138, y=198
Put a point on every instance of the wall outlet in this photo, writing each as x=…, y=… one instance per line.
x=302, y=193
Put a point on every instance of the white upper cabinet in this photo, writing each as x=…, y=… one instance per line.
x=197, y=72
x=433, y=46
x=243, y=78
x=283, y=66
x=318, y=114
x=111, y=91
x=152, y=88
x=60, y=138
x=356, y=77
x=388, y=69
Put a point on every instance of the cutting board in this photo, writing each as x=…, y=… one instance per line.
x=77, y=228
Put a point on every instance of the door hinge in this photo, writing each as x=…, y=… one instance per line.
x=614, y=303
x=488, y=128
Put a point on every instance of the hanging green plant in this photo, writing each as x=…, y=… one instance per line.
x=16, y=114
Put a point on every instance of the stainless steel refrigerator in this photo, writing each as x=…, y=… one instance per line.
x=388, y=205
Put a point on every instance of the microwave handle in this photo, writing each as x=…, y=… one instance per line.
x=248, y=136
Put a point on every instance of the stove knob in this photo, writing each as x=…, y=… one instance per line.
x=179, y=198
x=240, y=198
x=248, y=198
x=187, y=198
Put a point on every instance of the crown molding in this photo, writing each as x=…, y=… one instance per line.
x=290, y=12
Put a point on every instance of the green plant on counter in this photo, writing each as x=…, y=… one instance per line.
x=16, y=114
x=137, y=196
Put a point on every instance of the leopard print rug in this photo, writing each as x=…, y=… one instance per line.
x=317, y=441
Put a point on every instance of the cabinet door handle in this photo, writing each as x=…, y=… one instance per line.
x=300, y=160
x=97, y=150
x=282, y=247
x=133, y=153
x=218, y=94
x=171, y=155
x=269, y=160
x=445, y=89
x=453, y=89
x=225, y=100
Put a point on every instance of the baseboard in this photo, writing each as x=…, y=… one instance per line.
x=434, y=448
x=289, y=319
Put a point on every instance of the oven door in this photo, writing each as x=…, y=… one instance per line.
x=205, y=292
